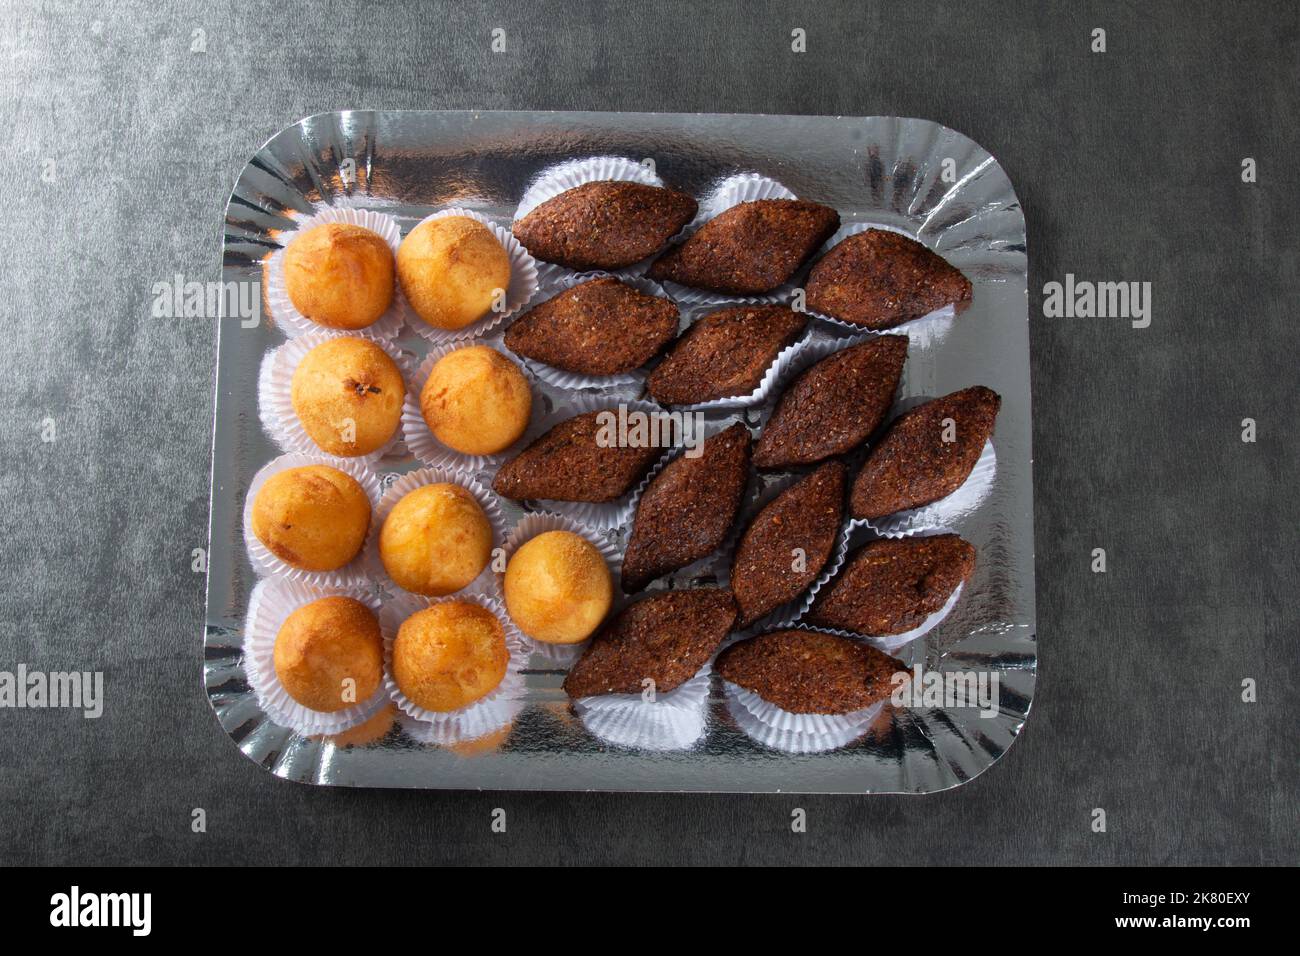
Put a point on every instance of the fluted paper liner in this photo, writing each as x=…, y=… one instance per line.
x=404, y=485
x=523, y=284
x=275, y=397
x=673, y=721
x=272, y=601
x=285, y=315
x=478, y=719
x=780, y=729
x=353, y=574
x=529, y=527
x=424, y=445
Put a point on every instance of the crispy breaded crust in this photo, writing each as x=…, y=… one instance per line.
x=806, y=516
x=913, y=465
x=604, y=225
x=879, y=279
x=832, y=407
x=751, y=248
x=725, y=353
x=568, y=463
x=892, y=585
x=808, y=672
x=688, y=508
x=666, y=638
x=599, y=327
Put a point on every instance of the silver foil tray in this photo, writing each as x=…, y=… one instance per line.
x=912, y=174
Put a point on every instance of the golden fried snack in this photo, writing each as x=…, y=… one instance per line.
x=558, y=588
x=339, y=275
x=348, y=394
x=329, y=654
x=450, y=655
x=314, y=517
x=476, y=401
x=436, y=540
x=452, y=269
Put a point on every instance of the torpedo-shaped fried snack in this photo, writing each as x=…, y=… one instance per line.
x=808, y=672
x=599, y=327
x=751, y=248
x=926, y=453
x=604, y=225
x=892, y=585
x=724, y=354
x=833, y=406
x=880, y=279
x=788, y=543
x=688, y=508
x=576, y=461
x=666, y=638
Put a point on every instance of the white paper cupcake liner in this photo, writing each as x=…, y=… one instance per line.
x=561, y=178
x=785, y=615
x=404, y=485
x=674, y=721
x=275, y=397
x=961, y=503
x=732, y=191
x=523, y=284
x=272, y=601
x=353, y=574
x=483, y=716
x=420, y=440
x=926, y=331
x=779, y=729
x=553, y=180
x=716, y=564
x=860, y=534
x=573, y=380
x=599, y=516
x=529, y=527
x=292, y=322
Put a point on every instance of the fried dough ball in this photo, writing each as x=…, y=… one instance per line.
x=314, y=518
x=329, y=654
x=452, y=269
x=339, y=275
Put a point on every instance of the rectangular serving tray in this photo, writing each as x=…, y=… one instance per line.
x=909, y=174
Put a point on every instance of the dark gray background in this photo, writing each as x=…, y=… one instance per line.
x=1128, y=166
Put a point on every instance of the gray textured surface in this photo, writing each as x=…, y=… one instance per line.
x=1127, y=164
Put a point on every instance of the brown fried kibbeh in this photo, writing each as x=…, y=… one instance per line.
x=879, y=279
x=892, y=585
x=570, y=463
x=802, y=522
x=914, y=465
x=688, y=508
x=604, y=225
x=833, y=406
x=598, y=327
x=808, y=672
x=666, y=638
x=724, y=354
x=749, y=249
